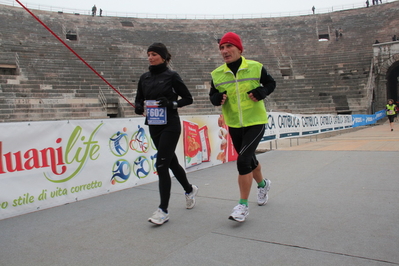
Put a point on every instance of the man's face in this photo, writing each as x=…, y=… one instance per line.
x=230, y=53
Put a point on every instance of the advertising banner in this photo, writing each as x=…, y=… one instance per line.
x=285, y=125
x=288, y=125
x=47, y=164
x=192, y=144
x=310, y=125
x=364, y=120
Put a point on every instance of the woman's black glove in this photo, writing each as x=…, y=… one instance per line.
x=216, y=99
x=164, y=102
x=138, y=109
x=259, y=93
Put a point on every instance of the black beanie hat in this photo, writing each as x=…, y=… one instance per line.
x=160, y=49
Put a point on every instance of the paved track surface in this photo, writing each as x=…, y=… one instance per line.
x=334, y=201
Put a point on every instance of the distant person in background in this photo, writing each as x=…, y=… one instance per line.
x=394, y=39
x=101, y=12
x=367, y=3
x=239, y=86
x=336, y=34
x=93, y=10
x=340, y=32
x=164, y=86
x=391, y=110
x=313, y=9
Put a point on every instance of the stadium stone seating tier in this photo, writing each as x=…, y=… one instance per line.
x=40, y=79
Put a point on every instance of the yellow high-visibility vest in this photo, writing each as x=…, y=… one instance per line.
x=239, y=110
x=391, y=109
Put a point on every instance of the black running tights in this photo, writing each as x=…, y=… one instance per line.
x=166, y=141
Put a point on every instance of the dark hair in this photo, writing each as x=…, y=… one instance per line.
x=160, y=49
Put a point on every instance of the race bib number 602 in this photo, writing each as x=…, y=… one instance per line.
x=155, y=115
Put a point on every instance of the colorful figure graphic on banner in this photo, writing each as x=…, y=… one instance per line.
x=141, y=167
x=139, y=141
x=116, y=145
x=121, y=171
x=154, y=160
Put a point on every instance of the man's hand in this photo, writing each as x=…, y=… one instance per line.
x=257, y=94
x=224, y=97
x=219, y=98
x=252, y=97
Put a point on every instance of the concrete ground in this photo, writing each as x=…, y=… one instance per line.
x=334, y=201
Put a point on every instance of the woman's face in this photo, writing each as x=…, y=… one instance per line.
x=154, y=58
x=390, y=102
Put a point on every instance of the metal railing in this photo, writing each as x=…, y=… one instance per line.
x=121, y=108
x=17, y=60
x=18, y=69
x=102, y=98
x=370, y=85
x=187, y=16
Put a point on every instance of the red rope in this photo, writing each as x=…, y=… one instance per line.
x=70, y=49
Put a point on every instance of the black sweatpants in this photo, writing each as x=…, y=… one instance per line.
x=165, y=139
x=245, y=141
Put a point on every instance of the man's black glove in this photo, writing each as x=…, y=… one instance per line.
x=164, y=102
x=138, y=109
x=216, y=99
x=259, y=93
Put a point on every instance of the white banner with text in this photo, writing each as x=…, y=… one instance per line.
x=47, y=164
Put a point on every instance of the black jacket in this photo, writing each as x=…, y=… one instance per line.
x=159, y=82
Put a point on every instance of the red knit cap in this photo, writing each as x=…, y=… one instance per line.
x=232, y=38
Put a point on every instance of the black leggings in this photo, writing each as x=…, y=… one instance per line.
x=165, y=141
x=245, y=141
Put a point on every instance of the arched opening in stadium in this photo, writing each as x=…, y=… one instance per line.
x=393, y=81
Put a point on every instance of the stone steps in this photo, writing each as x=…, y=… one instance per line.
x=322, y=76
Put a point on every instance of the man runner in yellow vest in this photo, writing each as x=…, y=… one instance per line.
x=391, y=109
x=239, y=86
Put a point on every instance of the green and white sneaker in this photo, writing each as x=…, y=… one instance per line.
x=240, y=212
x=263, y=193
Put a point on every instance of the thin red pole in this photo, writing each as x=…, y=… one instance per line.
x=70, y=49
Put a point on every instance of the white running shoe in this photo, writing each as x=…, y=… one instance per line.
x=263, y=193
x=159, y=217
x=190, y=198
x=240, y=212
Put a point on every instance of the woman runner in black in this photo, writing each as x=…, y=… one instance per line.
x=159, y=90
